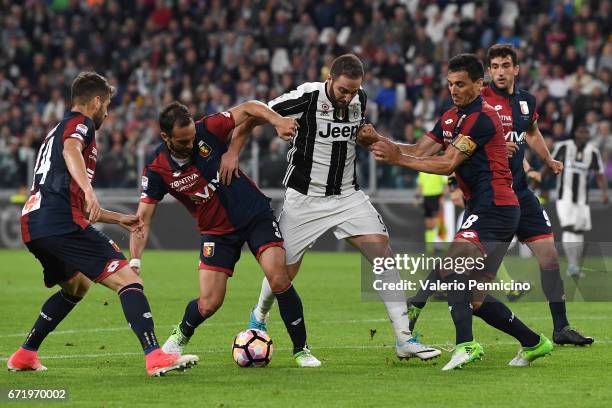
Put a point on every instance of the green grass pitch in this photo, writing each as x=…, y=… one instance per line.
x=95, y=355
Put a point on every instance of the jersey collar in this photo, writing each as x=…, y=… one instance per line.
x=503, y=92
x=173, y=164
x=473, y=106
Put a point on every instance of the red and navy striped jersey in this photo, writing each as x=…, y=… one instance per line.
x=517, y=112
x=57, y=204
x=218, y=209
x=484, y=177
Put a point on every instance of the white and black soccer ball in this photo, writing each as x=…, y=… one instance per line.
x=252, y=348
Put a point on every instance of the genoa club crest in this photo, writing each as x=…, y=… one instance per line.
x=208, y=249
x=204, y=149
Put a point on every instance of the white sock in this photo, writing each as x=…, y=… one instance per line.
x=395, y=302
x=573, y=245
x=266, y=300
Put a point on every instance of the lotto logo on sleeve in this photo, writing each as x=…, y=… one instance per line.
x=208, y=249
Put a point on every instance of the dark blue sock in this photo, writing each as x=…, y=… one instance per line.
x=552, y=285
x=192, y=318
x=55, y=309
x=292, y=313
x=138, y=314
x=496, y=314
x=420, y=299
x=460, y=308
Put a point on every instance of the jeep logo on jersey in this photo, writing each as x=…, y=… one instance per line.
x=515, y=137
x=336, y=130
x=204, y=148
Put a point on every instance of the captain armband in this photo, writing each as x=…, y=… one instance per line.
x=465, y=144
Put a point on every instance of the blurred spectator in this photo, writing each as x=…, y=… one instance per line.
x=212, y=55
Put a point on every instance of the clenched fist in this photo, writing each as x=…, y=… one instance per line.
x=366, y=135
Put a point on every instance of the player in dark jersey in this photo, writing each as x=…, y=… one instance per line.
x=517, y=110
x=186, y=165
x=472, y=136
x=56, y=225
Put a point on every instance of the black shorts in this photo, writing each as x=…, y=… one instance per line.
x=221, y=252
x=534, y=223
x=431, y=205
x=492, y=231
x=88, y=251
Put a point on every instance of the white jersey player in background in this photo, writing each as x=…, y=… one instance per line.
x=322, y=190
x=580, y=157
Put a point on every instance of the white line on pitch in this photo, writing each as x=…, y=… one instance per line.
x=274, y=323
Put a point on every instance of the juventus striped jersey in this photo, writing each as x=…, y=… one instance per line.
x=322, y=155
x=572, y=183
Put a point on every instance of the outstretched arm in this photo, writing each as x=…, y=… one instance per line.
x=138, y=241
x=388, y=152
x=536, y=141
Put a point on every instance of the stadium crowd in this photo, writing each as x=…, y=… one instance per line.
x=214, y=54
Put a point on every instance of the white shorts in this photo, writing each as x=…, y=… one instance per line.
x=305, y=218
x=574, y=215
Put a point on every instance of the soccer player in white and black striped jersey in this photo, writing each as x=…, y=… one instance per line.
x=322, y=189
x=580, y=158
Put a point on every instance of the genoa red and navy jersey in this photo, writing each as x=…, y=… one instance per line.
x=57, y=204
x=484, y=177
x=219, y=209
x=517, y=112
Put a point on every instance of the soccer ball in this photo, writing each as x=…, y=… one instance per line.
x=252, y=348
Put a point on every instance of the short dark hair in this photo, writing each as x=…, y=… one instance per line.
x=174, y=114
x=88, y=85
x=468, y=63
x=348, y=65
x=501, y=50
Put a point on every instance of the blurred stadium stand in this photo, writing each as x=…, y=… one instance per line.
x=212, y=55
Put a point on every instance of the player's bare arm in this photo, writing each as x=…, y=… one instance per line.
x=76, y=167
x=511, y=148
x=531, y=172
x=390, y=153
x=230, y=161
x=535, y=140
x=602, y=183
x=130, y=222
x=138, y=239
x=286, y=127
x=425, y=146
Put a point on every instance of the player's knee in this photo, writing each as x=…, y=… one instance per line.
x=279, y=282
x=77, y=286
x=208, y=305
x=476, y=305
x=123, y=277
x=548, y=258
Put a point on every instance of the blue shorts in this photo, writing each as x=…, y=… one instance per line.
x=221, y=252
x=492, y=231
x=88, y=251
x=534, y=223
